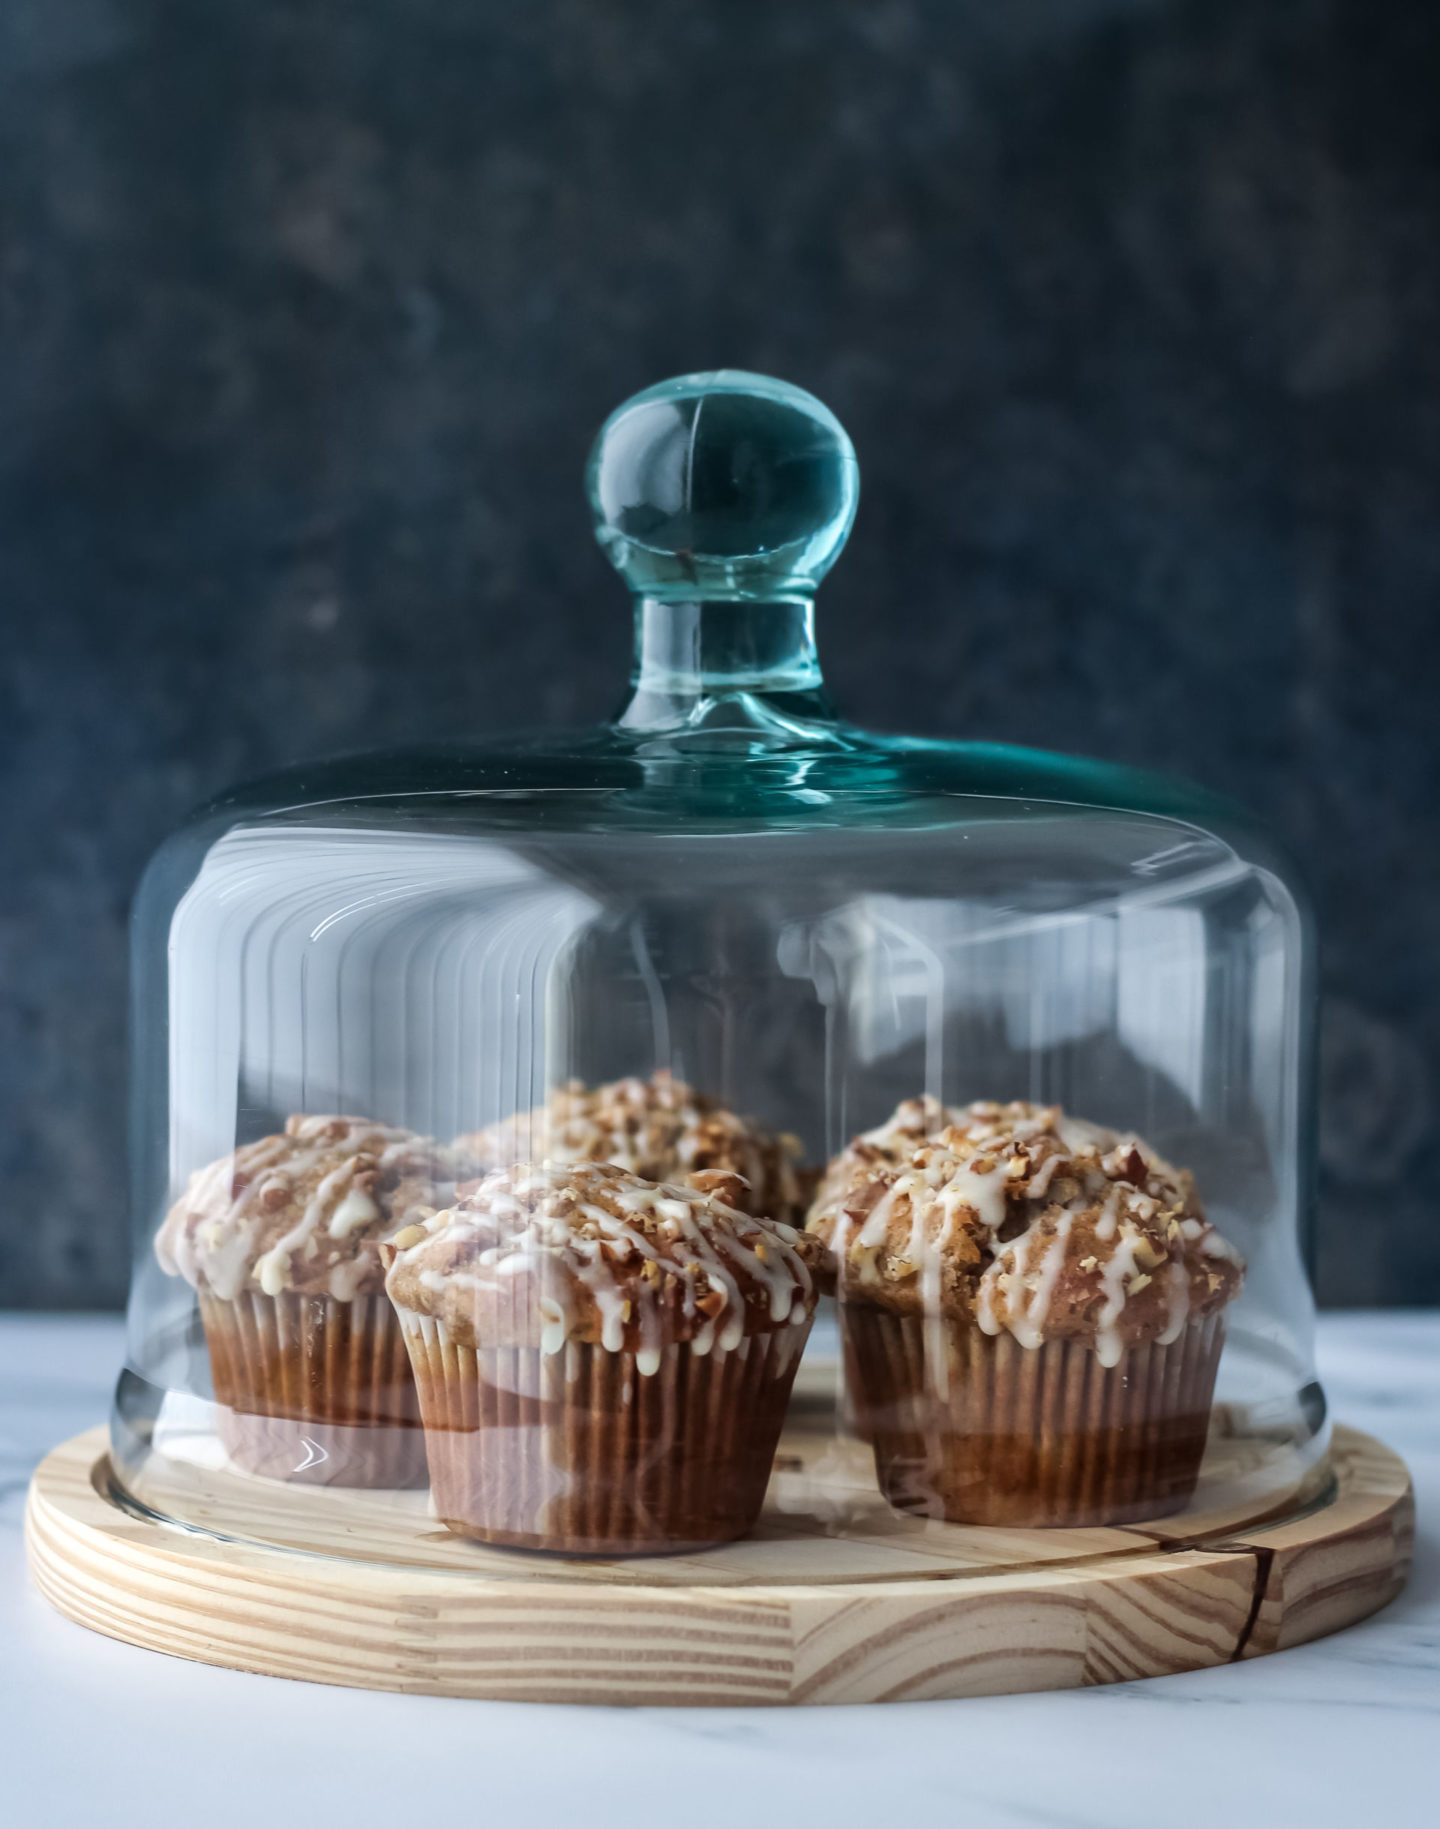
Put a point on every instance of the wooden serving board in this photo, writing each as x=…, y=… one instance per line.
x=368, y=1590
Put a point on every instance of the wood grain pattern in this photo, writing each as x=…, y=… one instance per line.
x=1121, y=1604
x=821, y=1475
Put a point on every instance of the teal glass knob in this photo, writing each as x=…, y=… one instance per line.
x=723, y=487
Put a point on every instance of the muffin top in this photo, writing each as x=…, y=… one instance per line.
x=542, y=1254
x=305, y=1210
x=658, y=1128
x=1023, y=1219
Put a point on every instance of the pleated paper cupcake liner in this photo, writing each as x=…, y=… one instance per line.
x=981, y=1430
x=315, y=1390
x=581, y=1452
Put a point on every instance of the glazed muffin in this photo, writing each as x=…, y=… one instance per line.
x=603, y=1362
x=281, y=1243
x=660, y=1129
x=1032, y=1309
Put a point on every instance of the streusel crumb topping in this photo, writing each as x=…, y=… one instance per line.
x=545, y=1254
x=305, y=1210
x=1025, y=1220
x=658, y=1128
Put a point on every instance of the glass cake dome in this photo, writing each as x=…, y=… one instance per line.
x=724, y=1125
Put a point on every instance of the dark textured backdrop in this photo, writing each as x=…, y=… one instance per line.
x=307, y=313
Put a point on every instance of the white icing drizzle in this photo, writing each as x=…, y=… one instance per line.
x=551, y=1230
x=554, y=1322
x=985, y=1316
x=1179, y=1299
x=871, y=1235
x=1028, y=1320
x=950, y=1188
x=212, y=1233
x=357, y=1209
x=984, y=1195
x=1115, y=1274
x=273, y=1270
x=1115, y=1181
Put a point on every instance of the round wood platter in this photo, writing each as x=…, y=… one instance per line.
x=889, y=1610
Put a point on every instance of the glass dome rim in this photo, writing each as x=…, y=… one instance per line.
x=1059, y=780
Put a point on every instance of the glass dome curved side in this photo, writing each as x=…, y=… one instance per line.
x=816, y=973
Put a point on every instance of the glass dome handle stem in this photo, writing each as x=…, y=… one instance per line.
x=691, y=659
x=722, y=500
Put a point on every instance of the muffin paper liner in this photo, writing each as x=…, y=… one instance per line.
x=985, y=1431
x=315, y=1390
x=579, y=1451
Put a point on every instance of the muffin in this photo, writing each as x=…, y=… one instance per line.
x=1032, y=1310
x=603, y=1362
x=280, y=1241
x=660, y=1129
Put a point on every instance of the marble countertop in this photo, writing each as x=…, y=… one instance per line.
x=1345, y=1731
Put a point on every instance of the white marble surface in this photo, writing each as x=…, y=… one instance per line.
x=1346, y=1731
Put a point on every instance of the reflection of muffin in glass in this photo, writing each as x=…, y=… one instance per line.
x=660, y=1129
x=280, y=1241
x=1033, y=1312
x=603, y=1363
